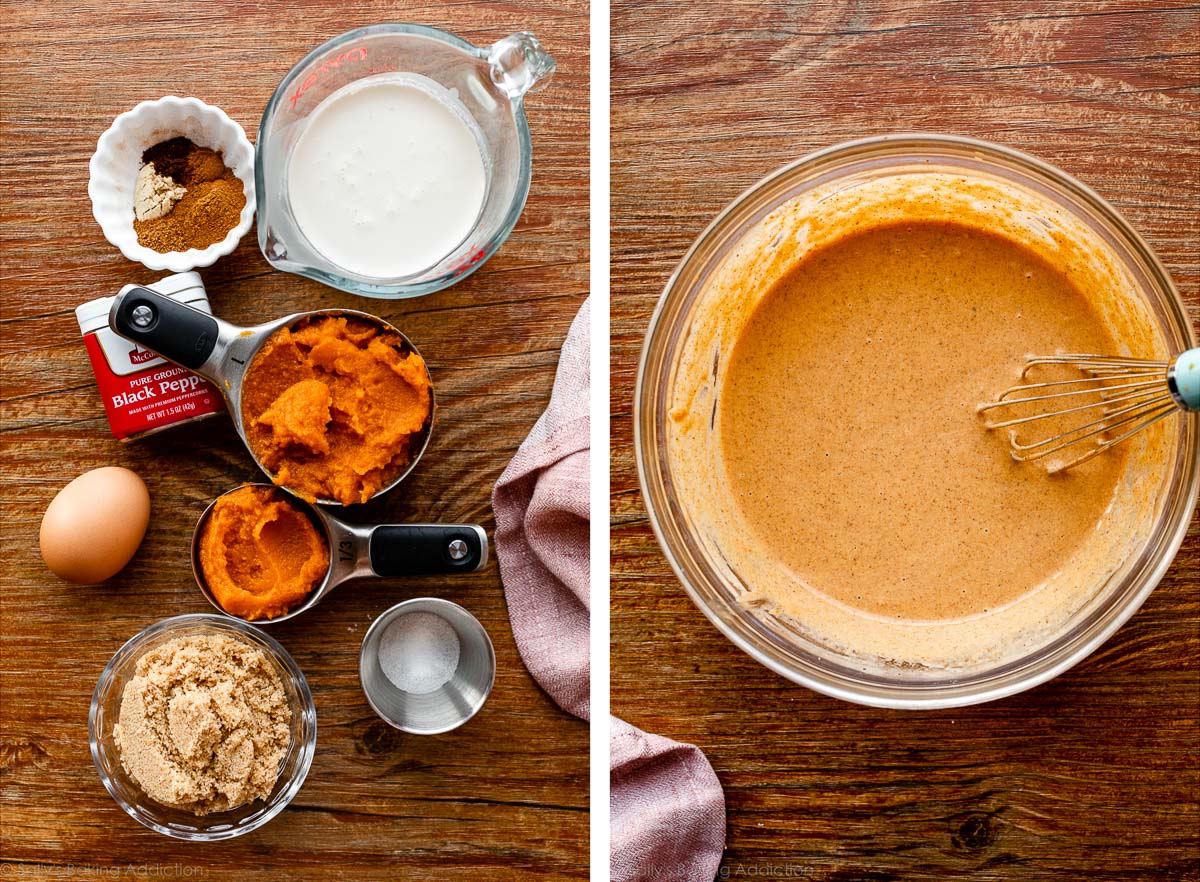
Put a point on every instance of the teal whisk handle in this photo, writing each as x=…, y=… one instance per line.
x=1183, y=379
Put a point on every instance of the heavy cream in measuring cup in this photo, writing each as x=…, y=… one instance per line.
x=387, y=177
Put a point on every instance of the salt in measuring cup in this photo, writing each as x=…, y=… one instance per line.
x=222, y=352
x=488, y=83
x=451, y=704
x=367, y=551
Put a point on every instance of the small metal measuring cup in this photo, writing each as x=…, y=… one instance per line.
x=452, y=703
x=374, y=550
x=222, y=352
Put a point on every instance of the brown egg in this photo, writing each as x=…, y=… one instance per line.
x=94, y=525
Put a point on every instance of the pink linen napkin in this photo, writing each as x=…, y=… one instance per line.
x=542, y=521
x=668, y=810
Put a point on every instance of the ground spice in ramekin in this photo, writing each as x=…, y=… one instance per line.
x=211, y=207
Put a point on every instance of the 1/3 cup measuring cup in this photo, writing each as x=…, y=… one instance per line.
x=223, y=353
x=373, y=550
x=488, y=82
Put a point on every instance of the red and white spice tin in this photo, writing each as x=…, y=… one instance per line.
x=143, y=393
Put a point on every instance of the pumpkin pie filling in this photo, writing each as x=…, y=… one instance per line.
x=824, y=432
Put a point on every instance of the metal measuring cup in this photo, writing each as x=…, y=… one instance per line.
x=222, y=352
x=452, y=703
x=372, y=550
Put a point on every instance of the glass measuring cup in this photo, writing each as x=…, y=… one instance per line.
x=490, y=82
x=364, y=551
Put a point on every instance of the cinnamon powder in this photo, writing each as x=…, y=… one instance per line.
x=211, y=207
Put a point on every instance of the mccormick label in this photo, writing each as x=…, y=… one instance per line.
x=143, y=393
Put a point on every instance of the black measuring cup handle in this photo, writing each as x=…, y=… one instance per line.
x=427, y=549
x=177, y=332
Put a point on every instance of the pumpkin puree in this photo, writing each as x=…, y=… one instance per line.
x=332, y=407
x=260, y=554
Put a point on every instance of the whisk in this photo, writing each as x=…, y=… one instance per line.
x=1128, y=394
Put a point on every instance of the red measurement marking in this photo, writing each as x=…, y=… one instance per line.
x=350, y=55
x=468, y=262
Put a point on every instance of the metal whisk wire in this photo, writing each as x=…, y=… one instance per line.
x=1131, y=394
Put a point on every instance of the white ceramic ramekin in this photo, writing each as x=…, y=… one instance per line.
x=118, y=157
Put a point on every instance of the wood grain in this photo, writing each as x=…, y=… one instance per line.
x=1095, y=775
x=505, y=797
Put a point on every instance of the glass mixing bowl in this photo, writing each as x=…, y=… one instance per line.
x=715, y=589
x=176, y=823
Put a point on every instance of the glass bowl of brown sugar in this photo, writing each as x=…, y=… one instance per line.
x=235, y=712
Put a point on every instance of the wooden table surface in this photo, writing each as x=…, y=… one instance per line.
x=504, y=797
x=1095, y=775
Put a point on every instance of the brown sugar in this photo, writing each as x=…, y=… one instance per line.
x=204, y=723
x=211, y=207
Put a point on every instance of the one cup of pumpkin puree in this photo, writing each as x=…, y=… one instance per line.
x=334, y=407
